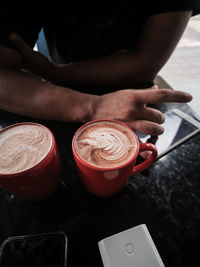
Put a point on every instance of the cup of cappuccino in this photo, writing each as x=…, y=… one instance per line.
x=105, y=152
x=30, y=165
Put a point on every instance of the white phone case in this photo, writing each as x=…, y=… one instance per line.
x=131, y=248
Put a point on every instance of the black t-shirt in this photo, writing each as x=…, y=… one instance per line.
x=77, y=30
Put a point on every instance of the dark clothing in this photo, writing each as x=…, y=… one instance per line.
x=79, y=30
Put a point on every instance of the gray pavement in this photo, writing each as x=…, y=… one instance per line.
x=182, y=71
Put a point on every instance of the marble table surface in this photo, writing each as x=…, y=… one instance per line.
x=166, y=197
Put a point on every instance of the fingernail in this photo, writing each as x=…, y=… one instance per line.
x=188, y=97
x=155, y=86
x=145, y=154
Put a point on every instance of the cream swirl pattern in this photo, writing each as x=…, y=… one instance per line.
x=22, y=147
x=105, y=144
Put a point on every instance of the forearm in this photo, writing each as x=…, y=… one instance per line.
x=28, y=96
x=24, y=95
x=157, y=42
x=125, y=70
x=9, y=58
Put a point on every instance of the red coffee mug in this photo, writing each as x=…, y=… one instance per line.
x=39, y=181
x=108, y=181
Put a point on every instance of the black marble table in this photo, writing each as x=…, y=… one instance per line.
x=166, y=197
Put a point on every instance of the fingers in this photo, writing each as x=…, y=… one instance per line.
x=151, y=114
x=19, y=42
x=145, y=154
x=146, y=127
x=153, y=96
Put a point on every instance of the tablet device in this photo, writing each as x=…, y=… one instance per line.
x=178, y=128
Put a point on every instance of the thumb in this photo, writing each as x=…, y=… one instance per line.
x=20, y=44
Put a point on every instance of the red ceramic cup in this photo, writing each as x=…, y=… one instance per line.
x=108, y=181
x=39, y=181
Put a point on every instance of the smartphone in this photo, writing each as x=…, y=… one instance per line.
x=178, y=126
x=41, y=250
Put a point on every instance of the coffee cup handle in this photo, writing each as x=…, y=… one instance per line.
x=149, y=161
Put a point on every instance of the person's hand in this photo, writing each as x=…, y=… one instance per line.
x=9, y=58
x=129, y=106
x=33, y=61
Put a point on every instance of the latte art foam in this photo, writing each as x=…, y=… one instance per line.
x=22, y=147
x=105, y=144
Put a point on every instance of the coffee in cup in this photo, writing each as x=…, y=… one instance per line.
x=29, y=161
x=22, y=147
x=105, y=152
x=105, y=144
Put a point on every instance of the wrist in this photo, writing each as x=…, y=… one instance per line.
x=73, y=106
x=86, y=107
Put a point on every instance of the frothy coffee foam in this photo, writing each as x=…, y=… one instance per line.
x=105, y=144
x=22, y=147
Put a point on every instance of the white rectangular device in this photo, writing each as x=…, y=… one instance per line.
x=178, y=128
x=131, y=248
